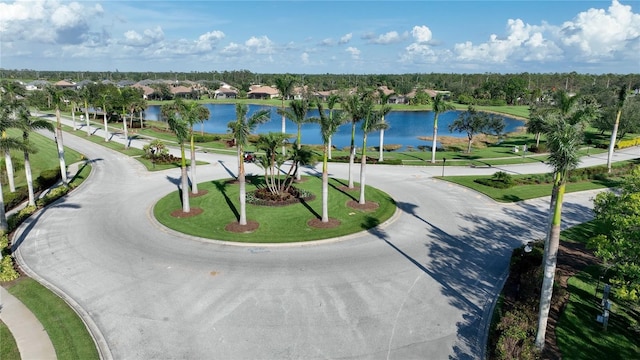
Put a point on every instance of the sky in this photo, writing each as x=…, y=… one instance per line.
x=317, y=37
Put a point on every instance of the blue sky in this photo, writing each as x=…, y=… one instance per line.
x=340, y=37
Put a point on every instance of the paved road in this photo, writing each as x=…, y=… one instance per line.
x=420, y=286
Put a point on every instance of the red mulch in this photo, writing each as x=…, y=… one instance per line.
x=181, y=214
x=200, y=193
x=235, y=227
x=367, y=206
x=317, y=223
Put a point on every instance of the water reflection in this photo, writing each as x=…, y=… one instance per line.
x=404, y=126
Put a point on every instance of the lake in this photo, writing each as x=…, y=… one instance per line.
x=404, y=126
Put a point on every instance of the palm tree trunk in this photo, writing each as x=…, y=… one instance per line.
x=329, y=148
x=86, y=116
x=194, y=183
x=381, y=151
x=27, y=173
x=126, y=133
x=73, y=115
x=60, y=144
x=3, y=215
x=325, y=188
x=299, y=147
x=363, y=165
x=612, y=142
x=352, y=153
x=185, y=182
x=141, y=120
x=243, y=193
x=435, y=140
x=9, y=165
x=106, y=130
x=538, y=140
x=550, y=261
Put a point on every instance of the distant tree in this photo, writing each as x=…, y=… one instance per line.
x=284, y=84
x=298, y=115
x=537, y=124
x=473, y=122
x=371, y=121
x=57, y=100
x=622, y=95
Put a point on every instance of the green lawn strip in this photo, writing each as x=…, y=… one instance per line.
x=580, y=336
x=67, y=332
x=278, y=224
x=8, y=347
x=524, y=192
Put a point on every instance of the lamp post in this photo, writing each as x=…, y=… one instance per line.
x=444, y=160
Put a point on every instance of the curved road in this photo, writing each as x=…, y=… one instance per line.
x=420, y=286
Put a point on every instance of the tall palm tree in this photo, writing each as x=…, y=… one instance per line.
x=193, y=112
x=297, y=114
x=105, y=99
x=72, y=98
x=384, y=99
x=56, y=97
x=332, y=100
x=622, y=95
x=13, y=92
x=353, y=106
x=536, y=124
x=25, y=123
x=563, y=141
x=328, y=126
x=86, y=94
x=372, y=121
x=181, y=129
x=284, y=84
x=438, y=106
x=241, y=128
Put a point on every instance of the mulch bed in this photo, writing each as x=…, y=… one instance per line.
x=317, y=223
x=367, y=206
x=181, y=214
x=200, y=193
x=235, y=227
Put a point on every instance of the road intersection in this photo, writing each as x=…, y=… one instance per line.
x=420, y=286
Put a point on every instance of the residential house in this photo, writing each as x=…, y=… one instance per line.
x=262, y=92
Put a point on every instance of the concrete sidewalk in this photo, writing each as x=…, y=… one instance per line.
x=31, y=338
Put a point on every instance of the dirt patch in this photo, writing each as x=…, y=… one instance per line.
x=235, y=227
x=317, y=223
x=346, y=188
x=200, y=193
x=367, y=206
x=181, y=214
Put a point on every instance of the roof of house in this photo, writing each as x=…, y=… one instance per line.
x=180, y=90
x=264, y=90
x=64, y=83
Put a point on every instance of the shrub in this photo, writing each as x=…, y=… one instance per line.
x=542, y=148
x=46, y=179
x=14, y=199
x=201, y=138
x=7, y=271
x=628, y=143
x=17, y=218
x=499, y=180
x=52, y=196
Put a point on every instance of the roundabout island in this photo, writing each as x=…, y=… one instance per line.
x=422, y=285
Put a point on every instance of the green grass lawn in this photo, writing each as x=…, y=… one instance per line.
x=580, y=336
x=277, y=224
x=66, y=330
x=8, y=347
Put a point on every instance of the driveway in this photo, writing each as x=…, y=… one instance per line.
x=419, y=286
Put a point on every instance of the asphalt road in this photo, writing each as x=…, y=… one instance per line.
x=420, y=286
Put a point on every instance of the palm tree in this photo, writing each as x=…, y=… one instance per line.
x=285, y=86
x=10, y=102
x=27, y=124
x=241, y=128
x=181, y=129
x=536, y=124
x=272, y=161
x=372, y=121
x=105, y=97
x=57, y=100
x=622, y=94
x=72, y=97
x=193, y=113
x=332, y=100
x=86, y=94
x=297, y=114
x=438, y=106
x=384, y=99
x=353, y=106
x=563, y=140
x=328, y=126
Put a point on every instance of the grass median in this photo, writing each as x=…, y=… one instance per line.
x=278, y=224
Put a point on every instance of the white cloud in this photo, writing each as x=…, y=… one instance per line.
x=233, y=49
x=305, y=58
x=207, y=41
x=260, y=45
x=388, y=38
x=355, y=53
x=598, y=33
x=327, y=42
x=421, y=34
x=148, y=37
x=345, y=38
